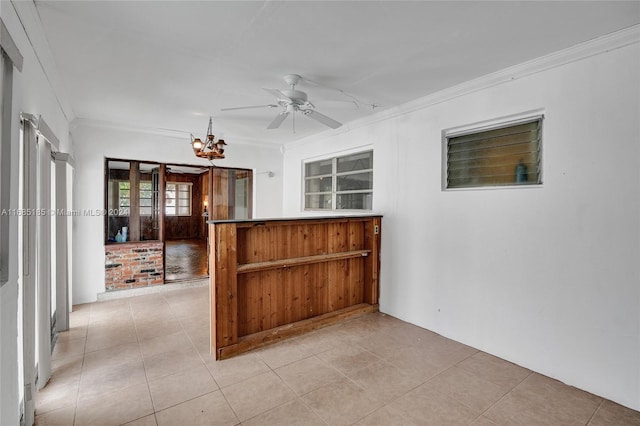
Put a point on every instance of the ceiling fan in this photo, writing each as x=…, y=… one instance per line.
x=292, y=101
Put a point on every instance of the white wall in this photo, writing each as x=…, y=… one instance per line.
x=93, y=144
x=545, y=277
x=33, y=94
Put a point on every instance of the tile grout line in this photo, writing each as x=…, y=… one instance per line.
x=204, y=364
x=84, y=354
x=440, y=372
x=595, y=412
x=344, y=376
x=299, y=397
x=505, y=395
x=144, y=365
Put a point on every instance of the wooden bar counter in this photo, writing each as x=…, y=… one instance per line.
x=278, y=278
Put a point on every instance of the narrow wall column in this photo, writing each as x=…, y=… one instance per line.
x=63, y=203
x=44, y=262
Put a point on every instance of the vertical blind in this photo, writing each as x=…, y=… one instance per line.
x=502, y=156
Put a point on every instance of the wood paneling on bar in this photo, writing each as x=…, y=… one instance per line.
x=272, y=278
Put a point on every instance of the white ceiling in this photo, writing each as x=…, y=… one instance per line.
x=169, y=65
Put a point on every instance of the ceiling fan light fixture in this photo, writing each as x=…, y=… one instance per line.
x=211, y=149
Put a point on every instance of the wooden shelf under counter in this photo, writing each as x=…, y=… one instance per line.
x=278, y=278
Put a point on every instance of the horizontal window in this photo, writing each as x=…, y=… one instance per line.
x=339, y=183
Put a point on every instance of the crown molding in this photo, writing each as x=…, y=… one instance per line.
x=600, y=45
x=170, y=133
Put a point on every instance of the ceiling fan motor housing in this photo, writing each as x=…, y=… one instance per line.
x=292, y=79
x=296, y=96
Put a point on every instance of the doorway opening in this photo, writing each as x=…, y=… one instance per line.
x=192, y=196
x=160, y=212
x=185, y=255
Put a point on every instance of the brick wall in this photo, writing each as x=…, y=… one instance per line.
x=130, y=265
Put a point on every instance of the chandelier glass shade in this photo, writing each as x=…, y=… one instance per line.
x=210, y=148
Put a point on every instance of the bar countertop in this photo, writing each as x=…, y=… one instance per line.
x=285, y=219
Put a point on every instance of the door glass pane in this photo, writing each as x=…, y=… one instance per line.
x=149, y=209
x=118, y=198
x=242, y=194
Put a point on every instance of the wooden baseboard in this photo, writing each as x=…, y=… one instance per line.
x=263, y=338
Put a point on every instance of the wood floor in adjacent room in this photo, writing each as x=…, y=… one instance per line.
x=185, y=260
x=145, y=361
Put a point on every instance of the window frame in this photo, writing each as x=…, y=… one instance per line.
x=126, y=210
x=498, y=123
x=334, y=175
x=177, y=205
x=122, y=208
x=148, y=210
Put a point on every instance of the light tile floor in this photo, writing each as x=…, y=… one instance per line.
x=145, y=361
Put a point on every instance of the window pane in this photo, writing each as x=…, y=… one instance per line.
x=170, y=194
x=145, y=202
x=317, y=168
x=360, y=201
x=360, y=161
x=184, y=211
x=145, y=186
x=146, y=194
x=124, y=202
x=124, y=193
x=355, y=181
x=322, y=184
x=318, y=201
x=124, y=185
x=145, y=211
x=170, y=211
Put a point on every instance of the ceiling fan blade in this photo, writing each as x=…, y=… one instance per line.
x=278, y=94
x=278, y=120
x=327, y=121
x=249, y=107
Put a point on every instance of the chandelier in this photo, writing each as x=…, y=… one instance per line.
x=208, y=149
